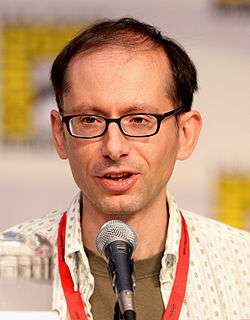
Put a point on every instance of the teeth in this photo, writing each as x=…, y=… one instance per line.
x=117, y=176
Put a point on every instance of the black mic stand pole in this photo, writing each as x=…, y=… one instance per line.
x=117, y=312
x=129, y=314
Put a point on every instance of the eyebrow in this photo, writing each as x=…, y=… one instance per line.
x=136, y=108
x=83, y=108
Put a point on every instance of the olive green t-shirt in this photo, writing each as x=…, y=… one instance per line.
x=148, y=300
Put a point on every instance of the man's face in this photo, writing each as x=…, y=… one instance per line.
x=119, y=174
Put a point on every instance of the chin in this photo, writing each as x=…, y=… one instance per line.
x=121, y=207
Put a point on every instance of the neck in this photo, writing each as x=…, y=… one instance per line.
x=149, y=225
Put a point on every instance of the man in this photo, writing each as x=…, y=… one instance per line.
x=124, y=94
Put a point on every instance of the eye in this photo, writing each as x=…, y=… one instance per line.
x=88, y=119
x=138, y=119
x=141, y=120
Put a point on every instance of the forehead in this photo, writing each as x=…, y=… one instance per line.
x=118, y=76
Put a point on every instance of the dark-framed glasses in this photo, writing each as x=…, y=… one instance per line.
x=88, y=126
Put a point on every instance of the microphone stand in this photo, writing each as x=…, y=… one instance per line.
x=117, y=312
x=130, y=315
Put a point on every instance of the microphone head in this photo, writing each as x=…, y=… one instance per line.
x=114, y=230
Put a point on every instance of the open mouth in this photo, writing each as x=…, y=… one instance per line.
x=118, y=177
x=118, y=181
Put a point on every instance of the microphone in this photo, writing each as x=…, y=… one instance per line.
x=116, y=242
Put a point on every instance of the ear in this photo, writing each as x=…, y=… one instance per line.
x=58, y=134
x=190, y=124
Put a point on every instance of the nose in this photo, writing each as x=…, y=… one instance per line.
x=115, y=144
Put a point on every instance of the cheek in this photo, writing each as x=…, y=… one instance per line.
x=80, y=158
x=161, y=156
x=165, y=161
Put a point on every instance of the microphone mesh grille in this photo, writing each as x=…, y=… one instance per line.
x=115, y=230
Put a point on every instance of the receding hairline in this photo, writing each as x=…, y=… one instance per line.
x=144, y=46
x=128, y=32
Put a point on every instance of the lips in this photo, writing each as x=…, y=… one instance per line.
x=118, y=176
x=120, y=181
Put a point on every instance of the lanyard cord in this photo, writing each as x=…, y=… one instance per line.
x=73, y=298
x=176, y=298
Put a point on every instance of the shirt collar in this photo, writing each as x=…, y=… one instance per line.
x=73, y=227
x=74, y=235
x=174, y=227
x=74, y=250
x=74, y=242
x=170, y=255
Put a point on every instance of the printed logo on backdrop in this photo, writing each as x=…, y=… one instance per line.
x=233, y=199
x=230, y=6
x=28, y=51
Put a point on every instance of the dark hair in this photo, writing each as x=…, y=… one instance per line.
x=128, y=33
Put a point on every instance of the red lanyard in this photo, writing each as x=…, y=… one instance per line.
x=73, y=298
x=176, y=298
